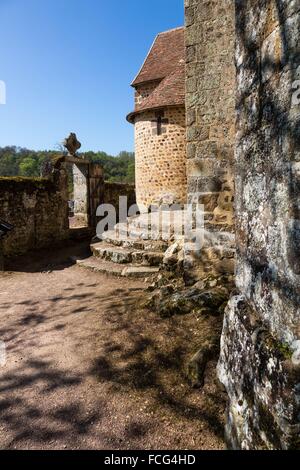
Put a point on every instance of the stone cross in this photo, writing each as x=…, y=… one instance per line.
x=72, y=144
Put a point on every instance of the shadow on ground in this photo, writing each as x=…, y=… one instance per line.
x=49, y=259
x=89, y=368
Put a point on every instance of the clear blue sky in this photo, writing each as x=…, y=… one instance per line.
x=67, y=65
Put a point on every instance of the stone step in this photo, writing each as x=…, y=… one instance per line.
x=126, y=231
x=151, y=226
x=219, y=238
x=138, y=234
x=113, y=238
x=140, y=271
x=123, y=255
x=155, y=223
x=175, y=220
x=108, y=267
x=101, y=266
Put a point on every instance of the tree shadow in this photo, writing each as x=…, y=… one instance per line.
x=275, y=132
x=24, y=417
x=49, y=259
x=136, y=359
x=127, y=350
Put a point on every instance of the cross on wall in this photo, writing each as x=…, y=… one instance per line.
x=158, y=123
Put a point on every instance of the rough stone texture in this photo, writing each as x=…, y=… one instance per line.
x=113, y=191
x=259, y=363
x=96, y=191
x=262, y=381
x=210, y=118
x=160, y=159
x=90, y=190
x=38, y=210
x=197, y=366
x=81, y=196
x=38, y=207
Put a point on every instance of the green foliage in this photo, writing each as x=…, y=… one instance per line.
x=15, y=161
x=29, y=167
x=119, y=169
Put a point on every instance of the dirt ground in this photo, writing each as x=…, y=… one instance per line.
x=88, y=368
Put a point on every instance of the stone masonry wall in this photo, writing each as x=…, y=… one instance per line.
x=260, y=351
x=160, y=159
x=38, y=210
x=210, y=118
x=113, y=191
x=38, y=207
x=80, y=192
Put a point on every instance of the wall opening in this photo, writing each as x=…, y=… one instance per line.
x=78, y=195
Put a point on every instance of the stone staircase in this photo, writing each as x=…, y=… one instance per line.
x=137, y=247
x=134, y=248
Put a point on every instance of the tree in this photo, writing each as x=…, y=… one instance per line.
x=15, y=161
x=29, y=166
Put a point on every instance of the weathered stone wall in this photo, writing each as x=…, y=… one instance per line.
x=160, y=159
x=210, y=85
x=96, y=191
x=38, y=207
x=113, y=191
x=210, y=118
x=81, y=203
x=38, y=210
x=260, y=356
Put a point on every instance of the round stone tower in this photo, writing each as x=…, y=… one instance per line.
x=159, y=121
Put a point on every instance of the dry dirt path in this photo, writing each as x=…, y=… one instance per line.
x=88, y=369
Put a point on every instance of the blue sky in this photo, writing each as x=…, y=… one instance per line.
x=67, y=65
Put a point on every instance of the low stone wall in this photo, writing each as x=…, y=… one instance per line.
x=38, y=210
x=112, y=192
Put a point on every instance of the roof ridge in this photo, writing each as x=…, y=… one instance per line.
x=149, y=52
x=160, y=49
x=171, y=30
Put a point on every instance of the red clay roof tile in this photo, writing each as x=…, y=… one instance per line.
x=165, y=63
x=166, y=53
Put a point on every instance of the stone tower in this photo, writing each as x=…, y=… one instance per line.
x=210, y=111
x=159, y=121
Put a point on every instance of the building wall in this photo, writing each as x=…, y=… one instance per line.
x=210, y=118
x=160, y=159
x=260, y=356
